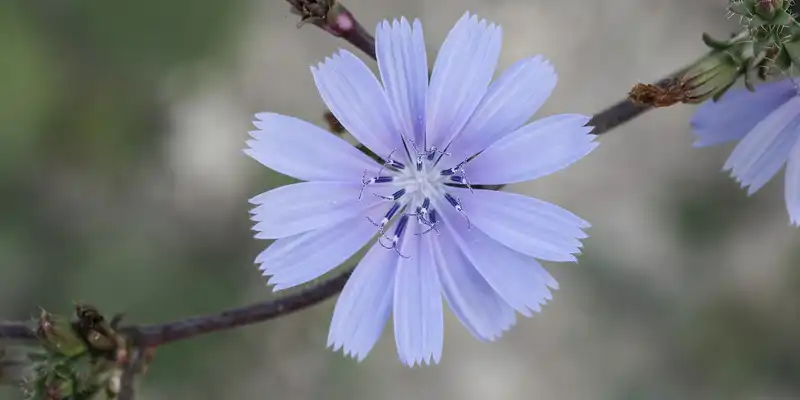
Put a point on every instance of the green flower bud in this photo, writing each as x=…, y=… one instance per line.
x=57, y=335
x=711, y=76
x=767, y=9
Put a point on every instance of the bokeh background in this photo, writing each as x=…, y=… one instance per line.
x=123, y=184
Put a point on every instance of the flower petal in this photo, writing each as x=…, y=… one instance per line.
x=301, y=207
x=418, y=318
x=512, y=100
x=793, y=185
x=305, y=151
x=530, y=226
x=403, y=66
x=763, y=151
x=364, y=305
x=356, y=98
x=535, y=150
x=304, y=257
x=460, y=77
x=738, y=112
x=520, y=280
x=479, y=308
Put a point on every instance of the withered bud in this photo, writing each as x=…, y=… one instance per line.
x=767, y=8
x=660, y=95
x=97, y=333
x=333, y=124
x=710, y=77
x=326, y=14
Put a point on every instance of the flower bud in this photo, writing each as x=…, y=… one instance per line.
x=57, y=335
x=767, y=9
x=711, y=76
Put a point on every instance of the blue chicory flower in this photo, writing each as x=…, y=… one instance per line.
x=767, y=123
x=437, y=235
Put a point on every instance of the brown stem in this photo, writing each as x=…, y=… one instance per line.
x=127, y=385
x=16, y=331
x=154, y=335
x=624, y=110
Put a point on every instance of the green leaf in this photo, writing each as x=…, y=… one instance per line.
x=740, y=8
x=782, y=60
x=751, y=75
x=792, y=50
x=781, y=18
x=757, y=22
x=722, y=91
x=714, y=43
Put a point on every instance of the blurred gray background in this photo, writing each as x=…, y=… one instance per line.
x=123, y=184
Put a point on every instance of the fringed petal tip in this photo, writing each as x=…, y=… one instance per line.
x=398, y=24
x=356, y=354
x=421, y=362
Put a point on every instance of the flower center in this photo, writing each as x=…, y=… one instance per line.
x=420, y=188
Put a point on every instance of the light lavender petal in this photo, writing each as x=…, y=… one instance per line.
x=520, y=280
x=461, y=75
x=527, y=225
x=512, y=100
x=738, y=112
x=763, y=152
x=418, y=318
x=305, y=151
x=479, y=308
x=301, y=207
x=535, y=150
x=403, y=66
x=357, y=99
x=793, y=185
x=304, y=257
x=364, y=305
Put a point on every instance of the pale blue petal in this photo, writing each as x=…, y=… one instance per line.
x=301, y=207
x=511, y=101
x=304, y=151
x=763, y=152
x=535, y=150
x=527, y=225
x=460, y=77
x=357, y=99
x=519, y=279
x=403, y=66
x=364, y=305
x=418, y=318
x=479, y=308
x=301, y=258
x=738, y=112
x=793, y=185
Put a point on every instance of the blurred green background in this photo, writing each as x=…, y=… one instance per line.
x=123, y=184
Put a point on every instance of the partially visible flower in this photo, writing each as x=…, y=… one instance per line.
x=437, y=236
x=767, y=122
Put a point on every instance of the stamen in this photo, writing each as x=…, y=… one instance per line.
x=398, y=232
x=395, y=164
x=462, y=177
x=419, y=154
x=423, y=154
x=423, y=215
x=377, y=179
x=390, y=162
x=388, y=216
x=456, y=203
x=433, y=221
x=433, y=151
x=396, y=195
